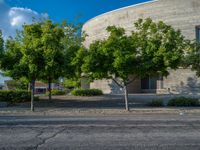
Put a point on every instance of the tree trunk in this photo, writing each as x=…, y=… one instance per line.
x=32, y=94
x=126, y=98
x=49, y=83
x=29, y=87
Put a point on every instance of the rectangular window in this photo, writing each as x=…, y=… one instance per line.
x=198, y=33
x=145, y=83
x=149, y=83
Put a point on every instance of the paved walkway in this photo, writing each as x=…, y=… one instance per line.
x=100, y=105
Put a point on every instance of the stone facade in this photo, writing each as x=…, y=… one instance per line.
x=181, y=14
x=182, y=81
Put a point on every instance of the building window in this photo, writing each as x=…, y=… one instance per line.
x=198, y=33
x=149, y=83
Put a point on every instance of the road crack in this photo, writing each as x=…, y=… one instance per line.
x=44, y=140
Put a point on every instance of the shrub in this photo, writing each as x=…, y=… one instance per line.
x=36, y=98
x=87, y=92
x=21, y=84
x=156, y=103
x=13, y=97
x=56, y=92
x=183, y=102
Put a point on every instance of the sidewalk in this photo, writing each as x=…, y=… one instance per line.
x=94, y=106
x=96, y=112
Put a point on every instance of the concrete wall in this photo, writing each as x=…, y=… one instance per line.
x=107, y=86
x=181, y=14
x=182, y=81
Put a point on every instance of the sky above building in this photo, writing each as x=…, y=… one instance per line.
x=14, y=13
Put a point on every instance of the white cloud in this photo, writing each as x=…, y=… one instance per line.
x=17, y=21
x=12, y=18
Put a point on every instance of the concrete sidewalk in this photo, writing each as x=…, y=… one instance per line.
x=99, y=105
x=96, y=112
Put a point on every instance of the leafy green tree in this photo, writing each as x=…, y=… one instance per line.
x=1, y=48
x=151, y=49
x=10, y=62
x=53, y=52
x=114, y=58
x=23, y=56
x=1, y=43
x=161, y=46
x=70, y=84
x=76, y=62
x=73, y=47
x=32, y=55
x=42, y=51
x=60, y=44
x=192, y=58
x=72, y=34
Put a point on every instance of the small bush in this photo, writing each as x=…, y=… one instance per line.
x=156, y=103
x=36, y=98
x=13, y=97
x=56, y=92
x=183, y=102
x=87, y=92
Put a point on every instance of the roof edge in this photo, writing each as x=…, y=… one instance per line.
x=134, y=5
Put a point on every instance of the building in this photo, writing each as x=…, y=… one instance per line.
x=42, y=88
x=3, y=80
x=181, y=14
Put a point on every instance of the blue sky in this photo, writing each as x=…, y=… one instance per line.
x=69, y=9
x=14, y=13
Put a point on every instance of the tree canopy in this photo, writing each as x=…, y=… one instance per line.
x=192, y=58
x=151, y=49
x=41, y=51
x=1, y=43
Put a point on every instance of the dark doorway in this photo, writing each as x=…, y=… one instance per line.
x=149, y=84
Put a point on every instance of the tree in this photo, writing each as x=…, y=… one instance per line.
x=61, y=43
x=41, y=51
x=23, y=56
x=32, y=55
x=10, y=62
x=73, y=48
x=1, y=48
x=192, y=58
x=1, y=43
x=53, y=52
x=151, y=49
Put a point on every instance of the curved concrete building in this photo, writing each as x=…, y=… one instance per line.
x=181, y=14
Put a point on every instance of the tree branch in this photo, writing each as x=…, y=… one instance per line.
x=117, y=82
x=130, y=81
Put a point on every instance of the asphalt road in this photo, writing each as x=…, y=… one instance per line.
x=154, y=132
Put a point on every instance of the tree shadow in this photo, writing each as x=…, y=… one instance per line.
x=101, y=102
x=191, y=88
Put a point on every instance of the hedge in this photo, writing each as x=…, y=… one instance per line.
x=183, y=102
x=156, y=103
x=87, y=92
x=56, y=92
x=13, y=97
